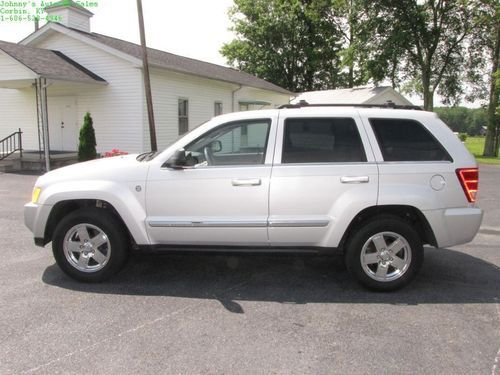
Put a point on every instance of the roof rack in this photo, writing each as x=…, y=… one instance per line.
x=388, y=104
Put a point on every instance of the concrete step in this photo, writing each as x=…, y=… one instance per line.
x=6, y=166
x=33, y=164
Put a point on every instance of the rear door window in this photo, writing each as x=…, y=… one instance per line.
x=407, y=140
x=322, y=140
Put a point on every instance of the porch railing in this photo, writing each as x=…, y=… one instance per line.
x=11, y=144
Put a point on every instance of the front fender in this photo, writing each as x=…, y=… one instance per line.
x=128, y=199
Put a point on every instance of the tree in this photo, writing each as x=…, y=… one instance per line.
x=462, y=119
x=423, y=44
x=484, y=69
x=354, y=25
x=87, y=142
x=291, y=43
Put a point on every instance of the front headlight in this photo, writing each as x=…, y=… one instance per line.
x=36, y=194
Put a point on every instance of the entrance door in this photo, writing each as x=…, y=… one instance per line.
x=63, y=127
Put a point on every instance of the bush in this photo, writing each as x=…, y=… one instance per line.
x=87, y=143
x=463, y=137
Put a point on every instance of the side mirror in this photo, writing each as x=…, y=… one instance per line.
x=179, y=160
x=216, y=146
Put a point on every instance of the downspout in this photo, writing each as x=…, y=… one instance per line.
x=233, y=97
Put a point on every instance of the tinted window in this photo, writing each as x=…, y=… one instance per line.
x=322, y=140
x=407, y=140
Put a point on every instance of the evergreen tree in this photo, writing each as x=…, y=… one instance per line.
x=87, y=142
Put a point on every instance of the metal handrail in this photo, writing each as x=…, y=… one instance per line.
x=11, y=144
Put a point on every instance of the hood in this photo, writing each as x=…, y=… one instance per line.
x=118, y=168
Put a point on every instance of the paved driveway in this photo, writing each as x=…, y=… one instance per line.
x=247, y=314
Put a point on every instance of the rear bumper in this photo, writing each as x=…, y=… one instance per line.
x=454, y=226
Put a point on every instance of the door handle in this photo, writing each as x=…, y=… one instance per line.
x=354, y=179
x=246, y=182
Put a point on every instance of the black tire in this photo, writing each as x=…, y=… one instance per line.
x=366, y=274
x=116, y=243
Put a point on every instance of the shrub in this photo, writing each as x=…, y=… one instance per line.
x=87, y=143
x=463, y=137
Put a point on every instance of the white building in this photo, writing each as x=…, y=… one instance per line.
x=358, y=95
x=90, y=72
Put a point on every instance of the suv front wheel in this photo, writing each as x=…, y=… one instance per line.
x=385, y=254
x=90, y=245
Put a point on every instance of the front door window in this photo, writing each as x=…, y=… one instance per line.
x=239, y=143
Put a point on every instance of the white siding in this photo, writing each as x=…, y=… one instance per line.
x=115, y=108
x=249, y=93
x=168, y=87
x=11, y=69
x=18, y=110
x=71, y=18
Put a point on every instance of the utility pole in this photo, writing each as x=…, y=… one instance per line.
x=147, y=82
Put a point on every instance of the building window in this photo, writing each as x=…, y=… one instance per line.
x=217, y=108
x=183, y=116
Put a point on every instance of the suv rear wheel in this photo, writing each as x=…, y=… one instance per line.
x=90, y=245
x=385, y=254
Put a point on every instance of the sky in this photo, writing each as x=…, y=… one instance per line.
x=191, y=28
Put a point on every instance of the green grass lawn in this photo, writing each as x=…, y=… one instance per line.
x=476, y=146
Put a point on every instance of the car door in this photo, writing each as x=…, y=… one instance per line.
x=323, y=170
x=224, y=198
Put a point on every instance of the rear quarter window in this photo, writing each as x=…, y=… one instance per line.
x=407, y=140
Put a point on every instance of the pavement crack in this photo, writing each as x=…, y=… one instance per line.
x=97, y=343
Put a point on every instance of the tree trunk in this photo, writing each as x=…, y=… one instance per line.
x=351, y=77
x=491, y=143
x=428, y=94
x=351, y=41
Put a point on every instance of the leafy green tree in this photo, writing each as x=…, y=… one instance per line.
x=478, y=119
x=462, y=119
x=291, y=43
x=87, y=143
x=422, y=43
x=484, y=68
x=457, y=118
x=355, y=27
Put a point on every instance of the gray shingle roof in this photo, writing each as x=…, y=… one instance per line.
x=186, y=65
x=49, y=64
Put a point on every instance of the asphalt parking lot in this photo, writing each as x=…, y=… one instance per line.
x=201, y=314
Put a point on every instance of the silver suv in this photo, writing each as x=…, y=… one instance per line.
x=375, y=183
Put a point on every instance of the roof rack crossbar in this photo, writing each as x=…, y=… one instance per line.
x=389, y=104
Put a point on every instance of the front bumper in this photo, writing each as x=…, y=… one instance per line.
x=35, y=218
x=30, y=213
x=454, y=226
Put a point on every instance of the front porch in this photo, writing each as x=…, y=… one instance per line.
x=39, y=90
x=32, y=160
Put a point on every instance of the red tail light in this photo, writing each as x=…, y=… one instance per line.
x=469, y=179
